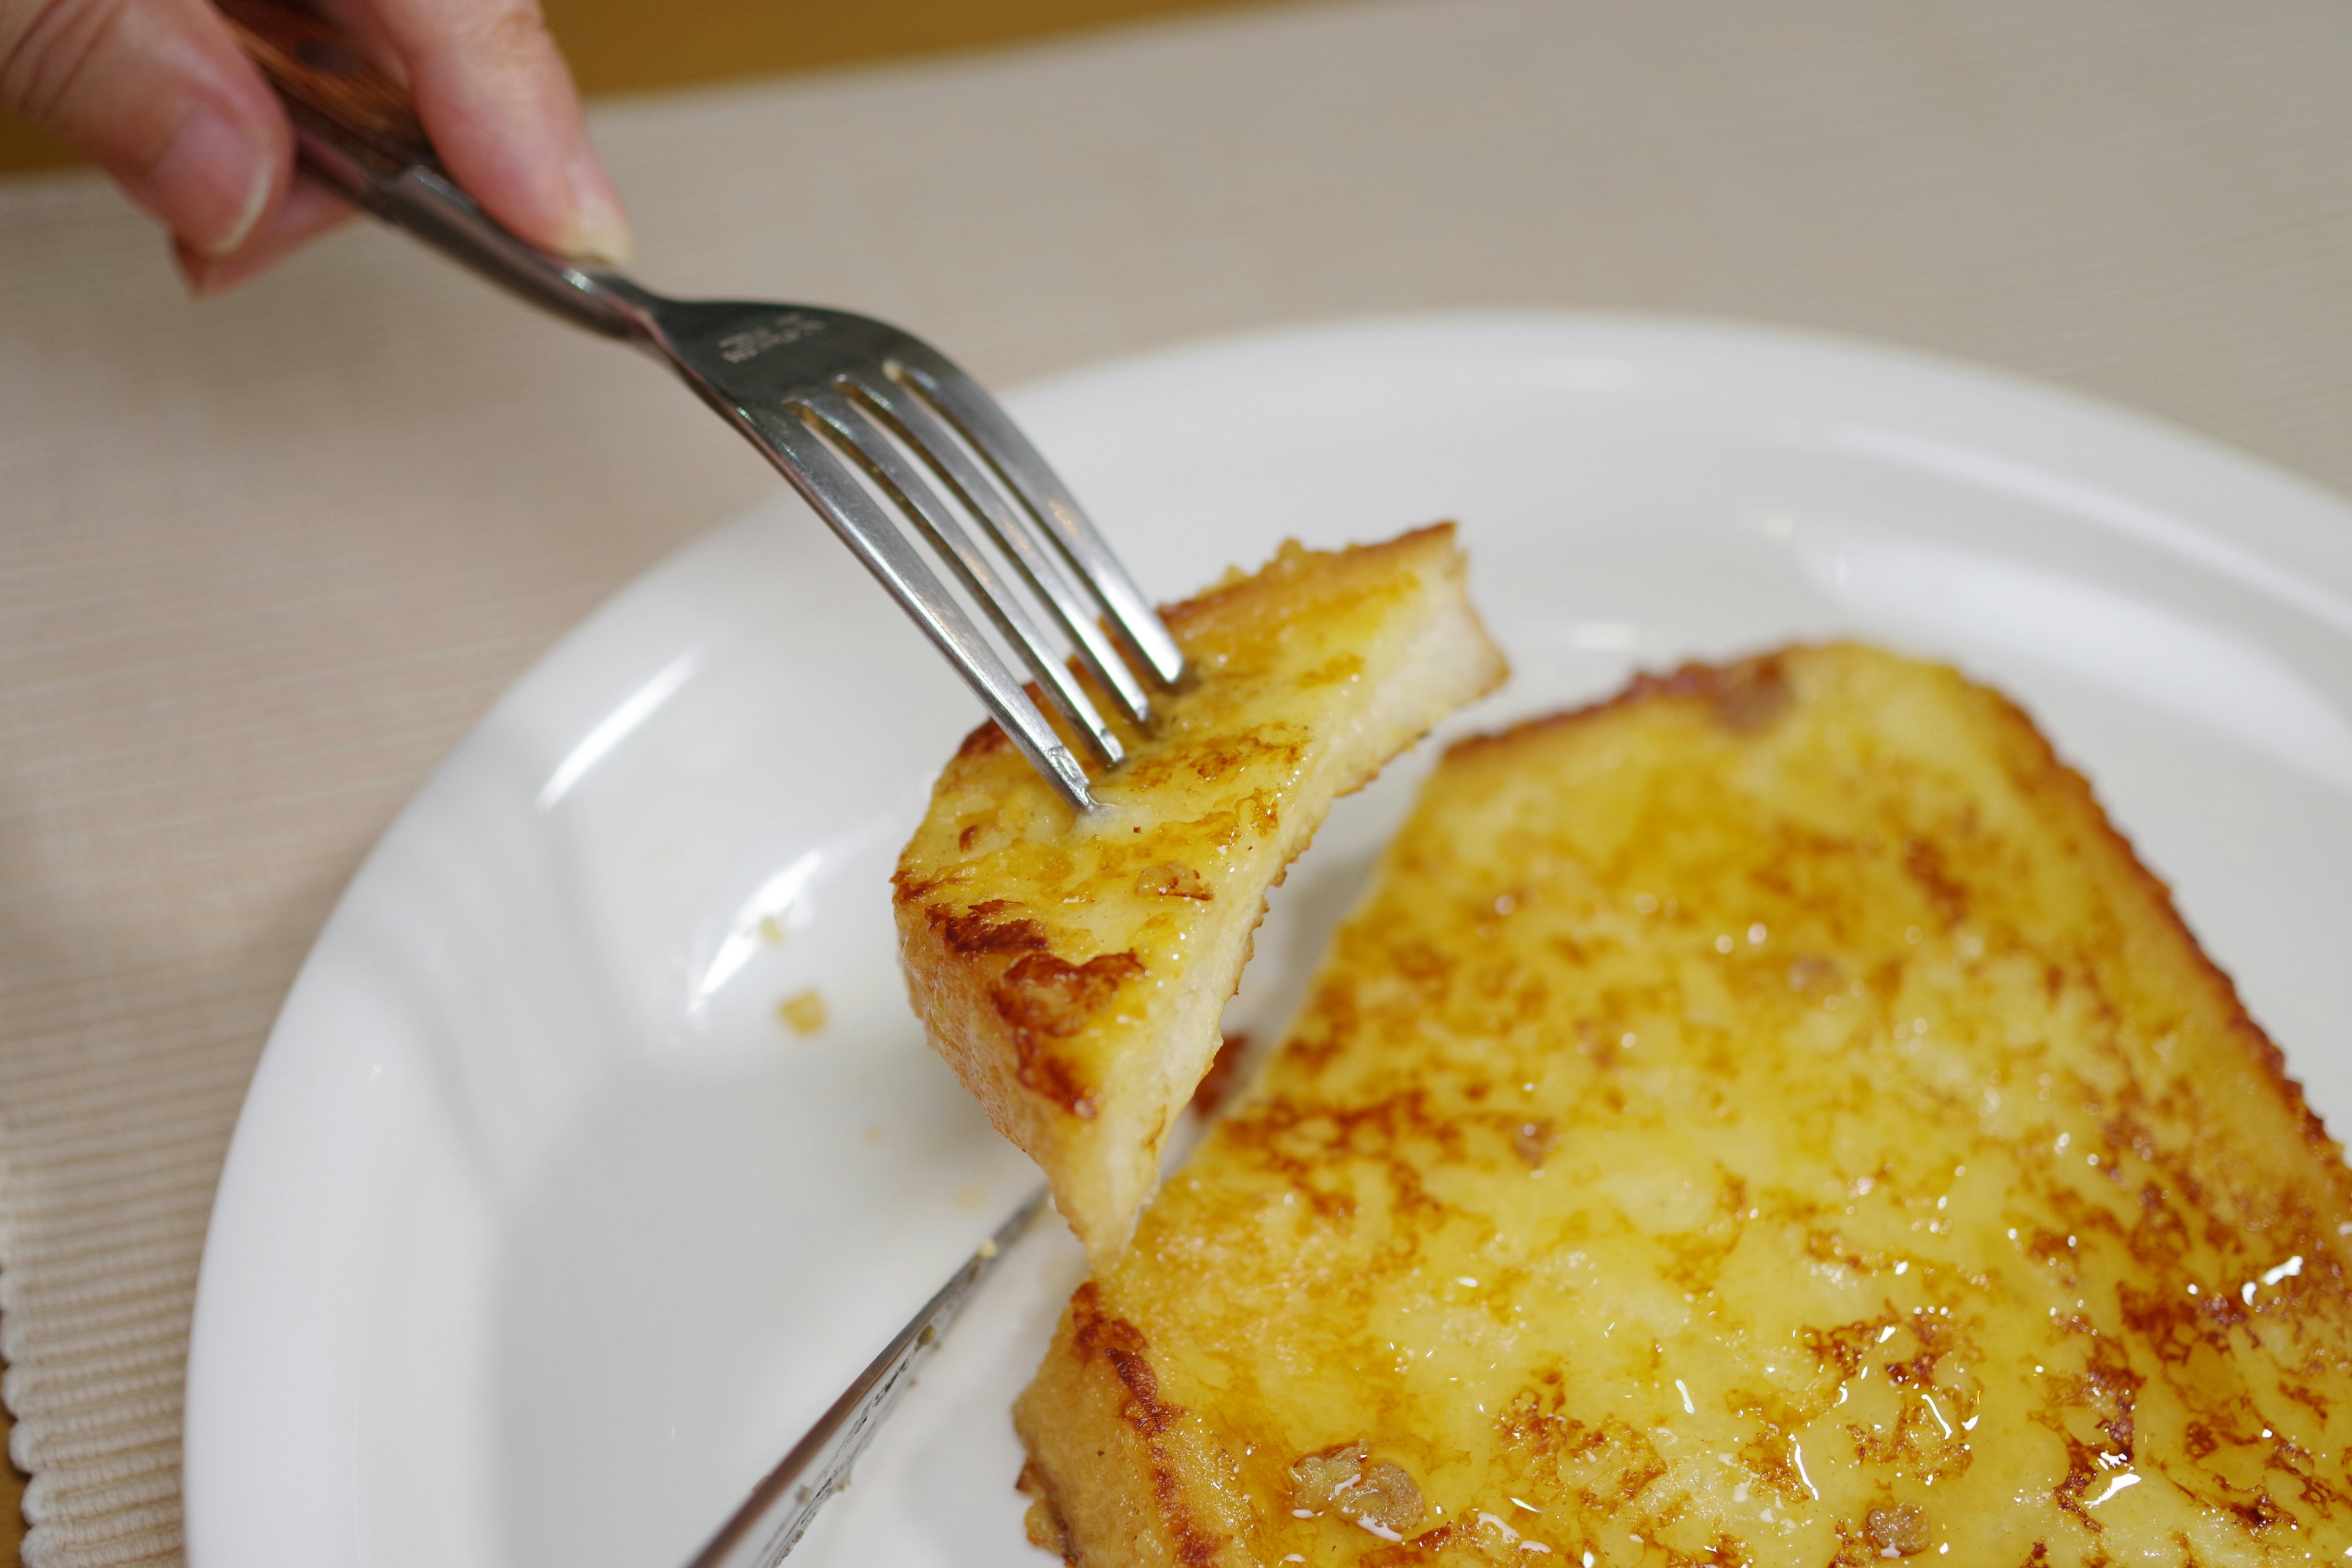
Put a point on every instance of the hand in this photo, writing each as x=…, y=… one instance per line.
x=157, y=93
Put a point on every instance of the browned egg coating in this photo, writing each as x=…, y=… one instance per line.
x=1770, y=1120
x=1072, y=967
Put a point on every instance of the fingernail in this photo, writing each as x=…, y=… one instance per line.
x=198, y=274
x=211, y=183
x=599, y=231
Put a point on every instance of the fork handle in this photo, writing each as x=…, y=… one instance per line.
x=358, y=130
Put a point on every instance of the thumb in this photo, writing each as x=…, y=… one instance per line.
x=157, y=94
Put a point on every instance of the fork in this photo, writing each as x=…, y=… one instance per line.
x=870, y=423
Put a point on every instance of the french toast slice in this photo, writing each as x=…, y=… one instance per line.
x=1768, y=1118
x=1072, y=968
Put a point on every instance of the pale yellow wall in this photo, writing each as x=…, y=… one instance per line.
x=623, y=46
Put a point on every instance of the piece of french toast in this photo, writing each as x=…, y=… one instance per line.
x=1768, y=1118
x=1072, y=968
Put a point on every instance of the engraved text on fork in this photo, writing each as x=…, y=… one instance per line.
x=790, y=326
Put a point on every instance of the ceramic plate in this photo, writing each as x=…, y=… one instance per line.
x=544, y=1233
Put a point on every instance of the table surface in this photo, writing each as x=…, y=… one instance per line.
x=266, y=558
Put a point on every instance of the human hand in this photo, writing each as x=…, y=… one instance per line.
x=157, y=93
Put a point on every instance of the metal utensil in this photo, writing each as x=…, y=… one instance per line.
x=869, y=423
x=771, y=1521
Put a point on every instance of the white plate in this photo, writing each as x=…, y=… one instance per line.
x=543, y=1235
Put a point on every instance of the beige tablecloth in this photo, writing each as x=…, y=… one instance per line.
x=263, y=560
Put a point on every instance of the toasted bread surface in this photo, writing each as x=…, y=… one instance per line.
x=1072, y=968
x=1769, y=1118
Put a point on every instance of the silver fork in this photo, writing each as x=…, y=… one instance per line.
x=869, y=423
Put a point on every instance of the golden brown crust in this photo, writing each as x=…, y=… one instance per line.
x=1770, y=1116
x=1140, y=1487
x=1071, y=969
x=2262, y=1052
x=1739, y=690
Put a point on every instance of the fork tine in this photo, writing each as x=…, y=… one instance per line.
x=865, y=441
x=1041, y=566
x=803, y=458
x=998, y=440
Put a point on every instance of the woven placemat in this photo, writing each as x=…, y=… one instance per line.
x=263, y=560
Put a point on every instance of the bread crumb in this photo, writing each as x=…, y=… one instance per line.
x=805, y=1011
x=1173, y=880
x=1377, y=1495
x=1898, y=1531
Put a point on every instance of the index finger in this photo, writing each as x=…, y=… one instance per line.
x=498, y=103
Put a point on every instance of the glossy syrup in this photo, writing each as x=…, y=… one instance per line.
x=1769, y=1120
